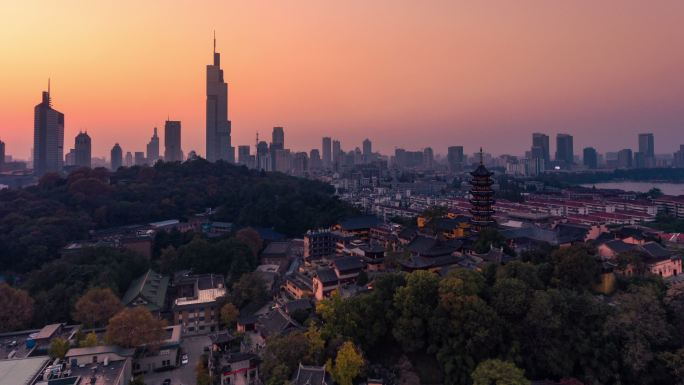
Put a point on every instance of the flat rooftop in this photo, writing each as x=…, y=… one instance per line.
x=203, y=296
x=21, y=371
x=102, y=375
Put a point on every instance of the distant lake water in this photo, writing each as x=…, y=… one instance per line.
x=666, y=188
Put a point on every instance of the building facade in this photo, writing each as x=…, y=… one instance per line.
x=48, y=137
x=172, y=141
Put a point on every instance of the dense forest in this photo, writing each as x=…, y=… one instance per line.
x=36, y=222
x=538, y=314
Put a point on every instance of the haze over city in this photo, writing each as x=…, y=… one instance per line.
x=400, y=73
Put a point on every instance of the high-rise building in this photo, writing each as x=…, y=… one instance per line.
x=326, y=149
x=300, y=163
x=153, y=148
x=455, y=158
x=139, y=158
x=128, y=161
x=542, y=141
x=172, y=141
x=336, y=152
x=283, y=161
x=624, y=158
x=48, y=137
x=678, y=160
x=315, y=162
x=367, y=150
x=564, y=149
x=278, y=138
x=2, y=154
x=83, y=147
x=116, y=157
x=243, y=155
x=428, y=158
x=590, y=158
x=263, y=159
x=70, y=158
x=646, y=155
x=218, y=126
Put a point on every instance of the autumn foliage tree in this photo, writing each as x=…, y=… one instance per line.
x=96, y=307
x=16, y=308
x=133, y=327
x=348, y=364
x=251, y=238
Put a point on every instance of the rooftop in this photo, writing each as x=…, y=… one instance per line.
x=99, y=374
x=203, y=296
x=21, y=371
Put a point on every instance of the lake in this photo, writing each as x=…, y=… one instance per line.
x=666, y=188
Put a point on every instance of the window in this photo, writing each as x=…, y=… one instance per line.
x=94, y=359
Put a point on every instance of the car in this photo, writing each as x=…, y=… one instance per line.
x=167, y=382
x=184, y=359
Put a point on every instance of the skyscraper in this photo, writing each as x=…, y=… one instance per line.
x=646, y=145
x=542, y=141
x=277, y=143
x=428, y=158
x=263, y=159
x=336, y=150
x=590, y=158
x=367, y=150
x=48, y=137
x=243, y=155
x=564, y=149
x=153, y=148
x=218, y=125
x=455, y=158
x=315, y=162
x=83, y=149
x=326, y=150
x=116, y=157
x=172, y=141
x=2, y=154
x=624, y=158
x=129, y=159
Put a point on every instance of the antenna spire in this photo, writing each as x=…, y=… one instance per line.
x=214, y=41
x=481, y=156
x=48, y=86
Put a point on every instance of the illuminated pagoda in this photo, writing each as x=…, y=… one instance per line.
x=482, y=197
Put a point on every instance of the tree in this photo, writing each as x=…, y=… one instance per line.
x=251, y=238
x=415, y=304
x=575, y=267
x=288, y=351
x=58, y=348
x=229, y=314
x=17, y=308
x=497, y=372
x=250, y=288
x=202, y=373
x=96, y=307
x=89, y=341
x=133, y=327
x=348, y=364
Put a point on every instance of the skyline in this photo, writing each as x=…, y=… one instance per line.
x=453, y=74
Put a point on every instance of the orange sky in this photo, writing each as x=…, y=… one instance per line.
x=404, y=73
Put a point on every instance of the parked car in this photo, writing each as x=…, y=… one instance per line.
x=184, y=359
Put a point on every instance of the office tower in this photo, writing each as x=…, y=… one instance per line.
x=542, y=141
x=646, y=145
x=116, y=157
x=277, y=143
x=128, y=161
x=624, y=158
x=564, y=149
x=83, y=147
x=153, y=148
x=678, y=160
x=139, y=158
x=243, y=155
x=590, y=158
x=218, y=126
x=263, y=159
x=367, y=150
x=48, y=137
x=455, y=158
x=172, y=141
x=2, y=154
x=315, y=162
x=336, y=150
x=428, y=158
x=326, y=149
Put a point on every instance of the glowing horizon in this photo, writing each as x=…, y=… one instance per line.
x=400, y=73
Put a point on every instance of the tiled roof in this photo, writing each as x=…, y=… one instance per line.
x=326, y=275
x=152, y=287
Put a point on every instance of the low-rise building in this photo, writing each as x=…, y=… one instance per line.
x=196, y=307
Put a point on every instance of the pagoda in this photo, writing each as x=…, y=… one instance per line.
x=482, y=197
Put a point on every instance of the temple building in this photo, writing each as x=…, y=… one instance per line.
x=482, y=199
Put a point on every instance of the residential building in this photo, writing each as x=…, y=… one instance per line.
x=455, y=158
x=326, y=150
x=196, y=307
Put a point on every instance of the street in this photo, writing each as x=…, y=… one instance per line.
x=185, y=374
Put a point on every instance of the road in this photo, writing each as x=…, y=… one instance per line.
x=185, y=374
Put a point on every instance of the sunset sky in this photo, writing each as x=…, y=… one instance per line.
x=403, y=73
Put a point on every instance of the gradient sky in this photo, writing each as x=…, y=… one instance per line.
x=403, y=73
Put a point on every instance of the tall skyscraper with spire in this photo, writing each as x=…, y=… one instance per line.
x=218, y=126
x=153, y=149
x=48, y=137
